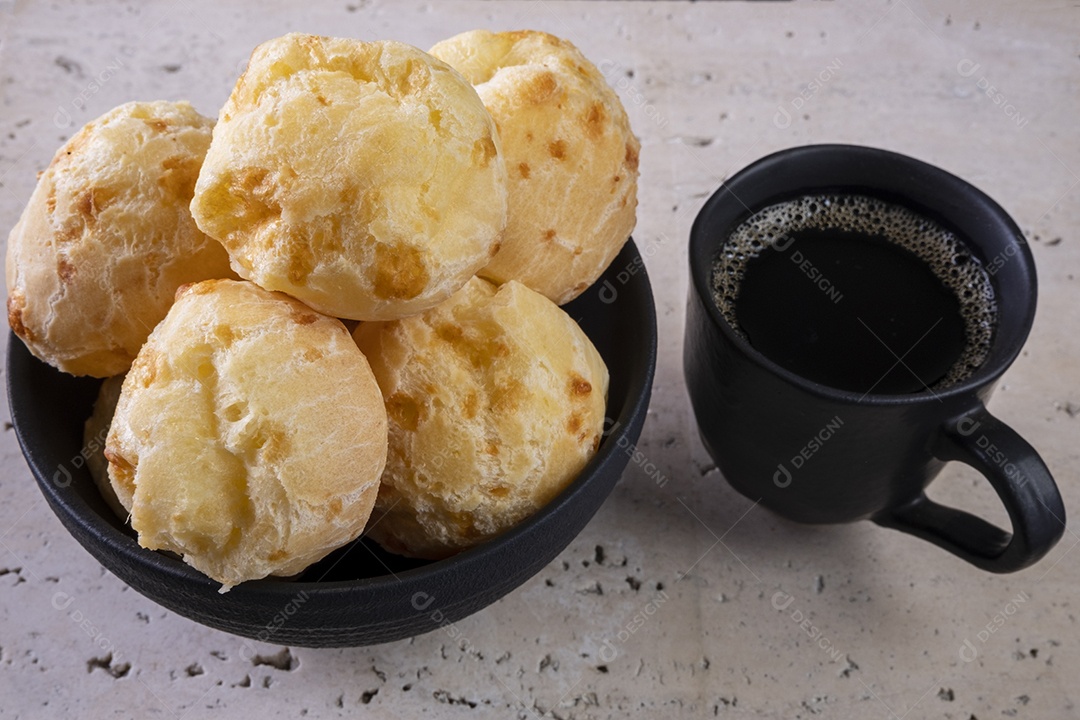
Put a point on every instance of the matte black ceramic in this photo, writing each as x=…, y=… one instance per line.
x=358, y=595
x=819, y=455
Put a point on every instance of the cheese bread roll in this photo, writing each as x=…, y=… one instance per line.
x=364, y=178
x=107, y=238
x=249, y=436
x=571, y=158
x=496, y=402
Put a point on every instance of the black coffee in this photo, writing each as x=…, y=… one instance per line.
x=857, y=294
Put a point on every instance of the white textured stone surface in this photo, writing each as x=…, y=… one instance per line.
x=708, y=79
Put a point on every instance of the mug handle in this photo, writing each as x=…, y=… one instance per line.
x=1021, y=480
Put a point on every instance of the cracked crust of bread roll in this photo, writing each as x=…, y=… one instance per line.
x=107, y=238
x=571, y=158
x=495, y=400
x=364, y=178
x=95, y=432
x=249, y=436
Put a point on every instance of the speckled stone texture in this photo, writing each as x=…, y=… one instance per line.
x=667, y=605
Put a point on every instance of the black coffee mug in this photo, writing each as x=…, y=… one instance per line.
x=816, y=454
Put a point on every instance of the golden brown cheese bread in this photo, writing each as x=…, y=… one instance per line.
x=571, y=157
x=249, y=436
x=496, y=402
x=107, y=238
x=364, y=178
x=95, y=432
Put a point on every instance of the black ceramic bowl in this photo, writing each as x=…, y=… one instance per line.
x=359, y=595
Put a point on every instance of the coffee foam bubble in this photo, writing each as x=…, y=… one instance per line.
x=940, y=249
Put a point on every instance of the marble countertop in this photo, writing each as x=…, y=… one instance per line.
x=653, y=611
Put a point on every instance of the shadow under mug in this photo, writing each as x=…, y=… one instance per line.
x=763, y=425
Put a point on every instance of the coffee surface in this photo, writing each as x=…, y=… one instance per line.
x=857, y=294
